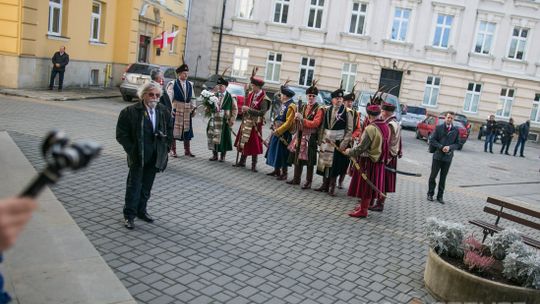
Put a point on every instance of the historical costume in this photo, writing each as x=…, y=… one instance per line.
x=249, y=137
x=348, y=100
x=336, y=132
x=281, y=136
x=394, y=150
x=183, y=109
x=372, y=152
x=303, y=146
x=221, y=120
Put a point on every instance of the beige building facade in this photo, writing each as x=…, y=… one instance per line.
x=476, y=57
x=102, y=37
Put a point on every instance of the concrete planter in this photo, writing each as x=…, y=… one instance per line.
x=448, y=283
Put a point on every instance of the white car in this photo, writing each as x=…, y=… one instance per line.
x=412, y=115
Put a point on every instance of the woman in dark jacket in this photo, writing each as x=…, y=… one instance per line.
x=507, y=134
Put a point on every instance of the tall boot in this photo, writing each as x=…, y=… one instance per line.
x=214, y=156
x=324, y=186
x=222, y=157
x=187, y=148
x=362, y=209
x=309, y=178
x=254, y=163
x=283, y=175
x=242, y=162
x=297, y=175
x=332, y=186
x=276, y=172
x=173, y=149
x=340, y=181
x=379, y=207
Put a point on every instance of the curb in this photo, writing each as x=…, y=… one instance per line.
x=62, y=98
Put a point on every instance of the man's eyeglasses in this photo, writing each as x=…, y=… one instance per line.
x=311, y=95
x=156, y=95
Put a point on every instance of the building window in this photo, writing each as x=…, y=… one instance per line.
x=316, y=9
x=281, y=11
x=55, y=17
x=518, y=43
x=472, y=98
x=505, y=103
x=240, y=62
x=484, y=38
x=431, y=93
x=400, y=24
x=358, y=18
x=535, y=113
x=246, y=9
x=173, y=45
x=273, y=67
x=442, y=30
x=348, y=76
x=96, y=21
x=307, y=69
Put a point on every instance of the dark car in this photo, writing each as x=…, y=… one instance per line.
x=138, y=74
x=326, y=96
x=212, y=81
x=425, y=128
x=500, y=126
x=461, y=118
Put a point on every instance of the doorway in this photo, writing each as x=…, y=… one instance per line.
x=390, y=81
x=144, y=45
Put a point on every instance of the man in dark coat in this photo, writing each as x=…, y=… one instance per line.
x=444, y=141
x=145, y=132
x=507, y=135
x=60, y=59
x=523, y=131
x=491, y=133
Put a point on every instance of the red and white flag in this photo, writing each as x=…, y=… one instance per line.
x=163, y=40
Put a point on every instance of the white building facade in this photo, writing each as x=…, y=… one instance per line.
x=476, y=57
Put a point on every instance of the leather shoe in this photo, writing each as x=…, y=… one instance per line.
x=430, y=198
x=146, y=217
x=440, y=200
x=129, y=224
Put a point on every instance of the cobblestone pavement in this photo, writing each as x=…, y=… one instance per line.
x=229, y=235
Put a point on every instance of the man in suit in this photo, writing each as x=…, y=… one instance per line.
x=145, y=132
x=444, y=141
x=60, y=59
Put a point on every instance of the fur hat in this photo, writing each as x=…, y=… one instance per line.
x=373, y=110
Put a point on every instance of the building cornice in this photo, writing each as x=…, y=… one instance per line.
x=444, y=4
x=394, y=57
x=527, y=4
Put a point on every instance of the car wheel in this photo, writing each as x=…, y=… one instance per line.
x=418, y=134
x=127, y=97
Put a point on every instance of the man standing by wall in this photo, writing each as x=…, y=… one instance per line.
x=60, y=59
x=444, y=141
x=523, y=131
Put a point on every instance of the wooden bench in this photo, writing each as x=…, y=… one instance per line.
x=490, y=229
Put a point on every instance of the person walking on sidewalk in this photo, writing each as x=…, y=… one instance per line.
x=507, y=135
x=145, y=132
x=60, y=59
x=491, y=133
x=523, y=131
x=444, y=141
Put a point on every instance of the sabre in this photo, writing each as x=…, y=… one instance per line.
x=357, y=166
x=402, y=172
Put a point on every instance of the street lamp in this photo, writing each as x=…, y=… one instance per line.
x=220, y=36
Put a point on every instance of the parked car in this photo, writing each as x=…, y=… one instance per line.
x=501, y=125
x=212, y=81
x=461, y=118
x=138, y=74
x=412, y=115
x=238, y=92
x=364, y=97
x=326, y=96
x=425, y=128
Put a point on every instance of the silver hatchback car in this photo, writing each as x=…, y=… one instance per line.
x=138, y=74
x=412, y=115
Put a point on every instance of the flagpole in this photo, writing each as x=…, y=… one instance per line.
x=220, y=36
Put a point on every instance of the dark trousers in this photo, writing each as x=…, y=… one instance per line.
x=506, y=144
x=520, y=143
x=489, y=141
x=138, y=186
x=60, y=78
x=436, y=166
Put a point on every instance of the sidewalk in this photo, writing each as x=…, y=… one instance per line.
x=53, y=261
x=66, y=94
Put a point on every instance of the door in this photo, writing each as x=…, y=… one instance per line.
x=390, y=81
x=144, y=45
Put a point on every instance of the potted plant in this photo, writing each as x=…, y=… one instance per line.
x=460, y=268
